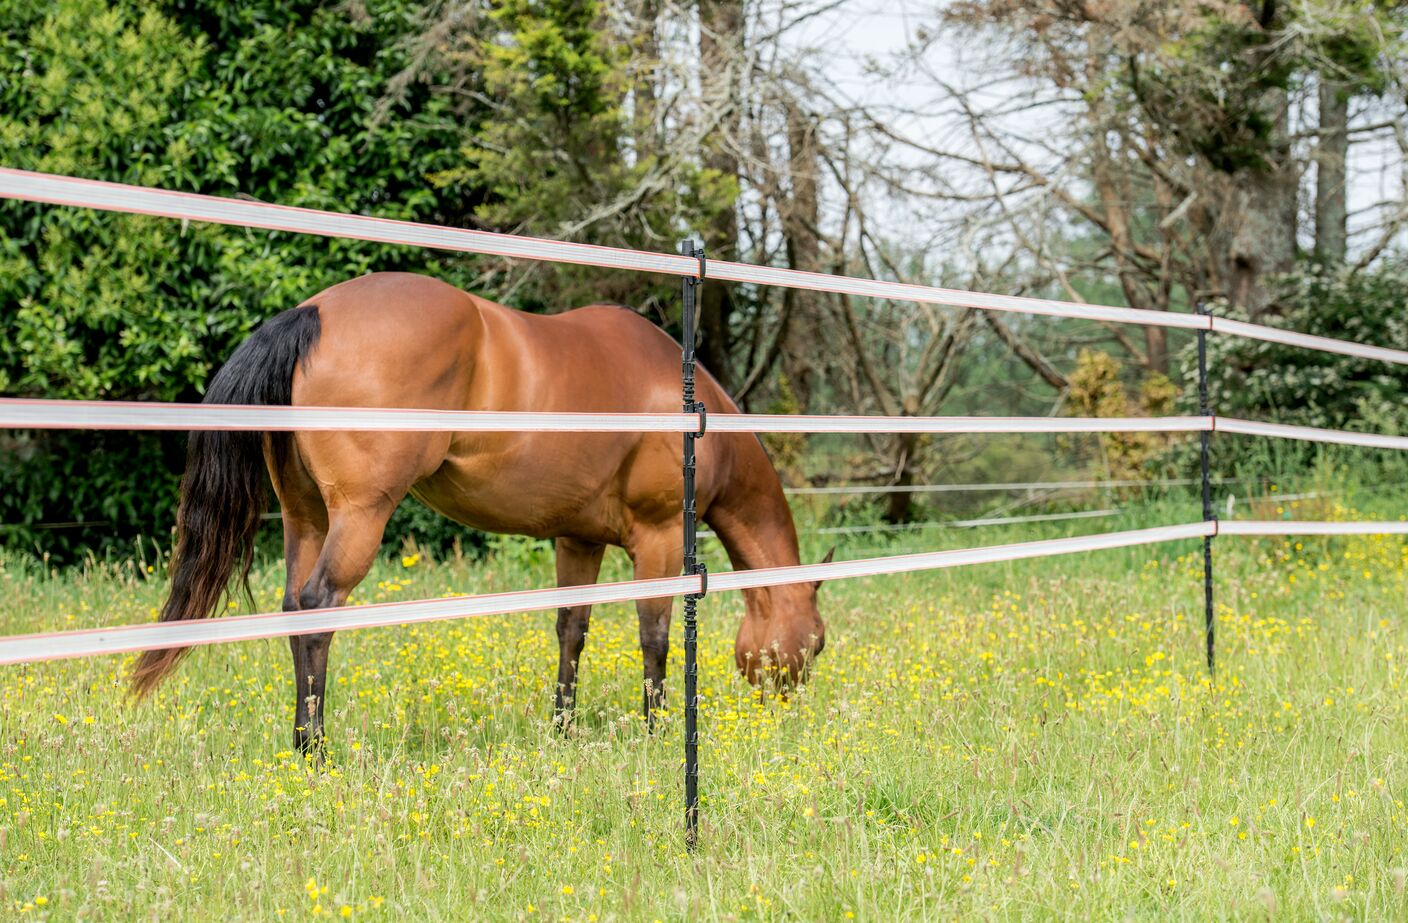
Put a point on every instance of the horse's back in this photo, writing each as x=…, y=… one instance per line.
x=390, y=340
x=415, y=341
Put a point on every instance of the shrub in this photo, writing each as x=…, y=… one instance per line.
x=1286, y=384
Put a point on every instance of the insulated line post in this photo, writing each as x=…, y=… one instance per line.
x=691, y=562
x=1204, y=438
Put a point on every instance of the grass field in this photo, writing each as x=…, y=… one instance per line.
x=1008, y=741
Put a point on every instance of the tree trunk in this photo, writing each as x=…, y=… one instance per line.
x=1331, y=151
x=899, y=506
x=1156, y=348
x=800, y=217
x=1263, y=205
x=1115, y=198
x=1264, y=243
x=646, y=94
x=720, y=48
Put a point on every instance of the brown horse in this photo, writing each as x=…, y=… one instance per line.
x=400, y=340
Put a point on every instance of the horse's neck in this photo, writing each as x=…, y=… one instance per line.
x=751, y=516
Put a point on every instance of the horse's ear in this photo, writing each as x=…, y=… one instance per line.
x=816, y=584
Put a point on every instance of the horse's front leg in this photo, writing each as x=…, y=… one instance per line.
x=310, y=678
x=657, y=554
x=578, y=564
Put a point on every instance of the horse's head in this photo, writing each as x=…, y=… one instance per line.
x=782, y=632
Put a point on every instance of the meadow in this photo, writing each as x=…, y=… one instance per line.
x=1023, y=741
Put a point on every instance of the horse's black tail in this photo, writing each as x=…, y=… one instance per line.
x=224, y=493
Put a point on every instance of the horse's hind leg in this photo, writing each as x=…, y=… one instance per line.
x=353, y=539
x=304, y=537
x=578, y=564
x=305, y=518
x=348, y=485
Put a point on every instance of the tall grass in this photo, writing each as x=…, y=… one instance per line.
x=1025, y=740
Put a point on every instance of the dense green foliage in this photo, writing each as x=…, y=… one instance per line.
x=515, y=119
x=570, y=154
x=1207, y=84
x=271, y=100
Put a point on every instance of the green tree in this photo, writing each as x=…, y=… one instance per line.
x=561, y=155
x=278, y=101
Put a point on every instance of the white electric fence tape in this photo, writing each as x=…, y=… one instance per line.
x=928, y=294
x=20, y=413
x=188, y=206
x=800, y=423
x=1239, y=328
x=81, y=193
x=159, y=635
x=1302, y=527
x=931, y=560
x=1309, y=434
x=128, y=638
x=123, y=415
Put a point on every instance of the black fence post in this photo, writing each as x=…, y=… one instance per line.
x=692, y=285
x=1205, y=437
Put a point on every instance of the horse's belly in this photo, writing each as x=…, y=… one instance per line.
x=542, y=485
